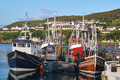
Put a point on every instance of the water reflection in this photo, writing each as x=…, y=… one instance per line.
x=41, y=76
x=50, y=76
x=83, y=76
x=58, y=76
x=27, y=76
x=4, y=50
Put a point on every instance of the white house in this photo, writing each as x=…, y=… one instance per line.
x=107, y=40
x=111, y=28
x=105, y=31
x=5, y=29
x=16, y=28
x=67, y=27
x=36, y=39
x=39, y=28
x=118, y=29
x=32, y=28
x=100, y=28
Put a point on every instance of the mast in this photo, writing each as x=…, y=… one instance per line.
x=115, y=42
x=54, y=27
x=77, y=32
x=48, y=31
x=26, y=17
x=60, y=34
x=92, y=37
x=83, y=35
x=76, y=35
x=83, y=21
x=25, y=29
x=82, y=27
x=95, y=41
x=88, y=38
x=30, y=36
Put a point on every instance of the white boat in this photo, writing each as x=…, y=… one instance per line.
x=48, y=46
x=112, y=71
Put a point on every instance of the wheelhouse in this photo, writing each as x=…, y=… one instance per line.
x=75, y=41
x=27, y=46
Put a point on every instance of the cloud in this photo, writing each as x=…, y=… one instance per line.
x=45, y=13
x=39, y=16
x=21, y=19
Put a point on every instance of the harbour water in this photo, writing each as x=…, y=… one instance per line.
x=5, y=74
x=4, y=68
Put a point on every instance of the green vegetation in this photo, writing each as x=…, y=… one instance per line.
x=66, y=34
x=13, y=35
x=8, y=35
x=112, y=18
x=39, y=33
x=113, y=34
x=21, y=23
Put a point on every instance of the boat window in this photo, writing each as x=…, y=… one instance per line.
x=14, y=44
x=50, y=49
x=21, y=45
x=73, y=40
x=113, y=69
x=28, y=45
x=79, y=42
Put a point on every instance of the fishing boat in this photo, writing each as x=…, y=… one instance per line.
x=75, y=44
x=112, y=71
x=49, y=45
x=85, y=54
x=93, y=63
x=24, y=56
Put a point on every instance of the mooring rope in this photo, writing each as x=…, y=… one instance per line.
x=33, y=59
x=59, y=71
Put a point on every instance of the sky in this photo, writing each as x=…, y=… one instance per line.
x=14, y=10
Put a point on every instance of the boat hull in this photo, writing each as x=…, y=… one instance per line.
x=93, y=65
x=22, y=62
x=77, y=49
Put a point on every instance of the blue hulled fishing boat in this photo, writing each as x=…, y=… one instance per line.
x=24, y=56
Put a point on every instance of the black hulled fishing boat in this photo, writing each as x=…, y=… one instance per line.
x=24, y=56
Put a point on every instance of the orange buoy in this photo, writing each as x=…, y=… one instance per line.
x=41, y=72
x=41, y=67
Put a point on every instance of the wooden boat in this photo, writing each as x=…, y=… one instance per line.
x=85, y=54
x=92, y=65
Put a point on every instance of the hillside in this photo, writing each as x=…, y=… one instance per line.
x=111, y=17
